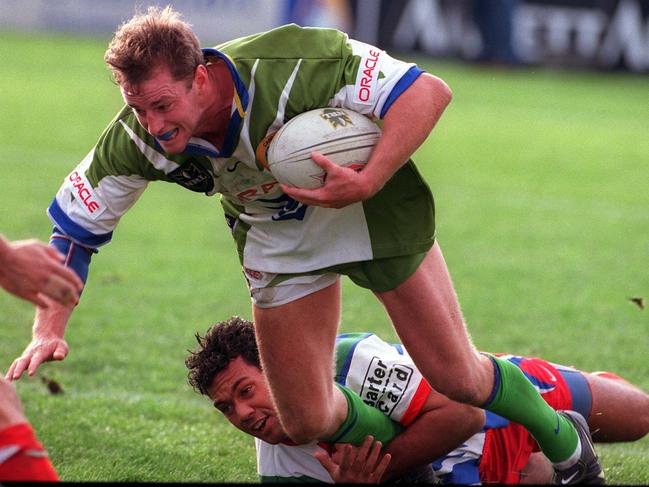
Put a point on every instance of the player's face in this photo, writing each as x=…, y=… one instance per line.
x=168, y=109
x=241, y=393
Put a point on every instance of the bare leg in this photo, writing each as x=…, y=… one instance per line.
x=620, y=410
x=538, y=470
x=426, y=314
x=296, y=347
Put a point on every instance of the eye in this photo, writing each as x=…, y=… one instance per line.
x=224, y=408
x=246, y=391
x=163, y=108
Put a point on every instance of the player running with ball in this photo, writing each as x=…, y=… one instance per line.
x=196, y=116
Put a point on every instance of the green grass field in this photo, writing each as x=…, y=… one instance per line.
x=541, y=182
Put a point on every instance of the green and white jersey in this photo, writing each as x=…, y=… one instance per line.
x=383, y=375
x=277, y=75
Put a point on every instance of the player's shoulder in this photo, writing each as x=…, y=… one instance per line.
x=287, y=41
x=283, y=463
x=363, y=347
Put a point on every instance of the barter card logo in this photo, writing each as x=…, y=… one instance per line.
x=385, y=384
x=337, y=118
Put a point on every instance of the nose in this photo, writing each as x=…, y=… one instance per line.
x=154, y=123
x=244, y=411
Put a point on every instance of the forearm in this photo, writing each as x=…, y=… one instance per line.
x=406, y=125
x=52, y=321
x=11, y=411
x=431, y=436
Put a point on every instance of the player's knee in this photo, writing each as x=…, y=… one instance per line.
x=304, y=425
x=471, y=381
x=304, y=431
x=465, y=389
x=466, y=395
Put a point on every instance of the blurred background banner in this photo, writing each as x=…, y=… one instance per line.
x=585, y=34
x=599, y=34
x=213, y=20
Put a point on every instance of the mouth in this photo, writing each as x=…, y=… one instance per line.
x=168, y=135
x=258, y=426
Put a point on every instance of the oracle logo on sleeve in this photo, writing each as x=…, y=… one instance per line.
x=85, y=194
x=367, y=78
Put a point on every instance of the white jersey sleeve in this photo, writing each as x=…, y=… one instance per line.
x=277, y=463
x=383, y=375
x=380, y=80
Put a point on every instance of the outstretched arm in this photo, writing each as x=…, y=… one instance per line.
x=47, y=340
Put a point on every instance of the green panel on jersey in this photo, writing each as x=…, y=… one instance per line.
x=294, y=42
x=319, y=77
x=117, y=155
x=274, y=76
x=415, y=215
x=241, y=228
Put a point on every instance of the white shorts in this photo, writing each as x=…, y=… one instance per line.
x=267, y=295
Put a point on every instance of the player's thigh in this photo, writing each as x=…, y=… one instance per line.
x=296, y=338
x=426, y=314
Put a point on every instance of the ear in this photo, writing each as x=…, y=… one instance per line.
x=201, y=76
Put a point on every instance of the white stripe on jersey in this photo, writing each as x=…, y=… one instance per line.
x=283, y=100
x=159, y=161
x=244, y=135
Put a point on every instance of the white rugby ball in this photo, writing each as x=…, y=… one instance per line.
x=346, y=137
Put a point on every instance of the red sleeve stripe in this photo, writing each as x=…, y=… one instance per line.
x=417, y=402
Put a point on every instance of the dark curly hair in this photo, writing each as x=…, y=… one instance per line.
x=223, y=342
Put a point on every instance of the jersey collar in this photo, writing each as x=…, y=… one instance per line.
x=238, y=112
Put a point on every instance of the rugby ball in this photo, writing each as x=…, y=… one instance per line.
x=346, y=137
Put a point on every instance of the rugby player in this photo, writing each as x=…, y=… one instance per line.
x=485, y=447
x=33, y=271
x=195, y=117
x=22, y=456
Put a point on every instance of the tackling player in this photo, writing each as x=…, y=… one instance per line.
x=30, y=270
x=22, y=456
x=195, y=117
x=225, y=366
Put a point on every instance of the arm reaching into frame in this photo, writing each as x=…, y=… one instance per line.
x=31, y=269
x=47, y=340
